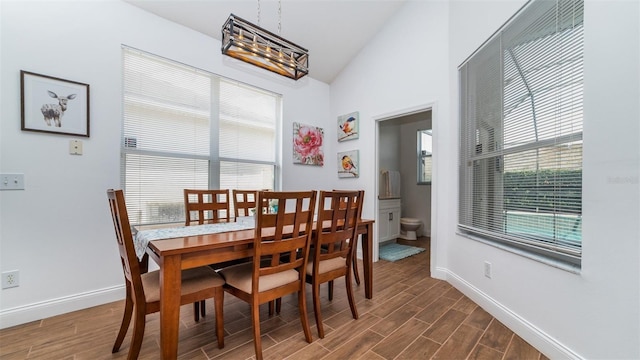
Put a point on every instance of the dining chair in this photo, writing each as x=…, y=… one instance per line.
x=206, y=206
x=143, y=288
x=271, y=275
x=356, y=273
x=333, y=246
x=243, y=202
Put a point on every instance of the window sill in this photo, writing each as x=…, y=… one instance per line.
x=574, y=269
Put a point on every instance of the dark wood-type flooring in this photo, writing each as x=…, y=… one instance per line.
x=411, y=316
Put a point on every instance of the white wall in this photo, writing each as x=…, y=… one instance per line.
x=58, y=231
x=400, y=71
x=593, y=314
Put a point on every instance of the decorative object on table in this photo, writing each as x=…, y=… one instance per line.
x=392, y=251
x=348, y=166
x=54, y=105
x=252, y=44
x=348, y=126
x=307, y=144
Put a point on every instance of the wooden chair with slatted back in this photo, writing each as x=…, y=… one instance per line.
x=333, y=245
x=243, y=202
x=143, y=288
x=206, y=206
x=356, y=273
x=271, y=275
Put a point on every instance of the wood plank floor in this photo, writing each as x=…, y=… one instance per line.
x=411, y=316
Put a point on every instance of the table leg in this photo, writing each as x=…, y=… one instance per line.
x=170, y=282
x=367, y=260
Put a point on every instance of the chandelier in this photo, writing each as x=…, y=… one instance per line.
x=251, y=43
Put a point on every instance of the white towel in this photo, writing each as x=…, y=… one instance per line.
x=394, y=183
x=391, y=183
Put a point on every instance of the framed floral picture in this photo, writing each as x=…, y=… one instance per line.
x=348, y=166
x=307, y=144
x=54, y=105
x=348, y=126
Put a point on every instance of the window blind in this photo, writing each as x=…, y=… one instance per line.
x=187, y=128
x=521, y=133
x=248, y=137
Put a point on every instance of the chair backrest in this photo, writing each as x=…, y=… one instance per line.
x=130, y=265
x=206, y=206
x=282, y=238
x=337, y=234
x=243, y=201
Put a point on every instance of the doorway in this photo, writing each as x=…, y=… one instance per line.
x=397, y=145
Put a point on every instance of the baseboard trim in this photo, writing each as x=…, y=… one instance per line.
x=542, y=341
x=44, y=309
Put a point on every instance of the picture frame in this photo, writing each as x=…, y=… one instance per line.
x=349, y=164
x=348, y=126
x=307, y=144
x=52, y=105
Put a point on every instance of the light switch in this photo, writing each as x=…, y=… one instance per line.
x=75, y=147
x=11, y=181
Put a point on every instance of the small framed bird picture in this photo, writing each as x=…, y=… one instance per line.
x=348, y=126
x=348, y=166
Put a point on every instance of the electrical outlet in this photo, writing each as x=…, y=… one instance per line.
x=487, y=269
x=10, y=279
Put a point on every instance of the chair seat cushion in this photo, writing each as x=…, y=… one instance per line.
x=326, y=265
x=193, y=280
x=239, y=276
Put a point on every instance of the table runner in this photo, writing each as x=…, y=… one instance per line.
x=142, y=237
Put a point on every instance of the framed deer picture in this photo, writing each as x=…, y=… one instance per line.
x=54, y=105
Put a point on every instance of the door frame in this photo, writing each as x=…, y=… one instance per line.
x=429, y=106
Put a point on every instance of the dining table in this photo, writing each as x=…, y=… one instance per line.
x=175, y=254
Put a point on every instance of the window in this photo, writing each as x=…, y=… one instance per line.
x=187, y=128
x=521, y=134
x=424, y=157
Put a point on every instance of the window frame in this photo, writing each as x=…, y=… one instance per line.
x=130, y=146
x=422, y=157
x=482, y=213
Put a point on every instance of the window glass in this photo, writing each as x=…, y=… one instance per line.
x=521, y=134
x=425, y=149
x=186, y=128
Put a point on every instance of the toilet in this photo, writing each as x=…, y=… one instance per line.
x=408, y=228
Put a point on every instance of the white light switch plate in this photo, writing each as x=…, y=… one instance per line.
x=75, y=147
x=11, y=181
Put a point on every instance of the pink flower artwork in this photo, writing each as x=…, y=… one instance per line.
x=307, y=144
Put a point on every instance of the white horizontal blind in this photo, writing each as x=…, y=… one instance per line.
x=521, y=133
x=171, y=113
x=248, y=137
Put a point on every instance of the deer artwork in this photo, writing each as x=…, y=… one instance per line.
x=55, y=111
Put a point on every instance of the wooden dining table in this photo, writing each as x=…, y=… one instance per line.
x=175, y=254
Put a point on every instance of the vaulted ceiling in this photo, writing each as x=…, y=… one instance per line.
x=334, y=32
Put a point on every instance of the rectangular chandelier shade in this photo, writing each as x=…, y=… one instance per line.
x=250, y=43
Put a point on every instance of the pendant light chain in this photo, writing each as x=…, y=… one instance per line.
x=258, y=12
x=279, y=16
